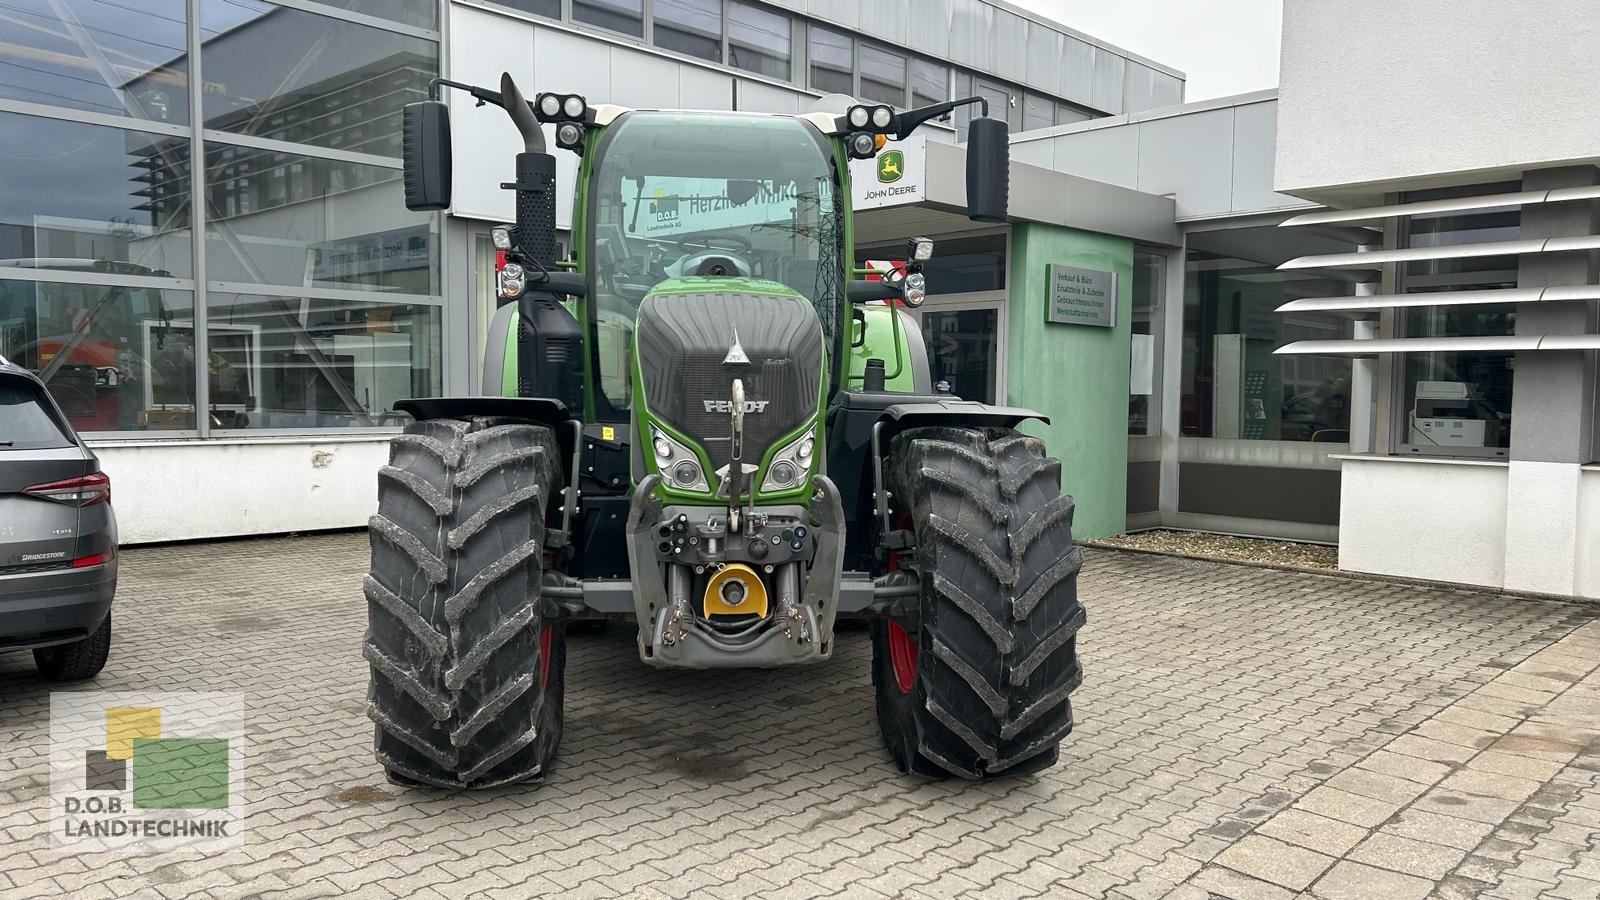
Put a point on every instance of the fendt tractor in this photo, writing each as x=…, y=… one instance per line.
x=712, y=424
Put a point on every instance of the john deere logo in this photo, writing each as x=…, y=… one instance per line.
x=891, y=166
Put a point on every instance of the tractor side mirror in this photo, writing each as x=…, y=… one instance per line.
x=988, y=169
x=425, y=146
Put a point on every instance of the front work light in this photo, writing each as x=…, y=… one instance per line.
x=859, y=116
x=921, y=249
x=915, y=289
x=569, y=136
x=882, y=116
x=549, y=106
x=573, y=107
x=501, y=235
x=863, y=145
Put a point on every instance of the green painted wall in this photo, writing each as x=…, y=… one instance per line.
x=1075, y=374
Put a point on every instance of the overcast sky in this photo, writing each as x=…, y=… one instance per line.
x=1223, y=46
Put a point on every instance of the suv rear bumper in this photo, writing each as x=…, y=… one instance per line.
x=40, y=609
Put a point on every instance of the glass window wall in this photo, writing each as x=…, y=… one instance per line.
x=104, y=56
x=290, y=75
x=1144, y=369
x=622, y=16
x=1457, y=404
x=930, y=83
x=116, y=358
x=832, y=62
x=97, y=287
x=1234, y=387
x=692, y=27
x=89, y=198
x=759, y=40
x=883, y=76
x=302, y=362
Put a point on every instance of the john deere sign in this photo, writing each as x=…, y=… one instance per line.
x=1082, y=297
x=894, y=177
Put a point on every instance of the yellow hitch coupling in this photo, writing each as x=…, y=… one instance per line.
x=735, y=590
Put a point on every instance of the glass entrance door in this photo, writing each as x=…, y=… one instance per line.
x=964, y=351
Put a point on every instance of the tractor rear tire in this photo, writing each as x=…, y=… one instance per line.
x=466, y=665
x=976, y=683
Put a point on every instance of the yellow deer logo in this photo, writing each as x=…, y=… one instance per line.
x=889, y=165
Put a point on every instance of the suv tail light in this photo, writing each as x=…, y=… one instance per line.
x=86, y=490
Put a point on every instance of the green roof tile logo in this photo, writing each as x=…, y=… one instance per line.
x=145, y=772
x=891, y=166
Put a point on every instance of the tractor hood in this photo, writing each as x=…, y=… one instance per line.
x=695, y=335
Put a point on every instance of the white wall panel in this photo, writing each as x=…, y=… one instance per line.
x=1587, y=563
x=1105, y=81
x=569, y=63
x=643, y=81
x=1103, y=154
x=704, y=89
x=1367, y=84
x=1255, y=128
x=1043, y=64
x=1076, y=66
x=1008, y=44
x=1190, y=156
x=758, y=97
x=1541, y=526
x=485, y=145
x=183, y=490
x=1440, y=521
x=888, y=21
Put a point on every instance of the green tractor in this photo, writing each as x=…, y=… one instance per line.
x=711, y=424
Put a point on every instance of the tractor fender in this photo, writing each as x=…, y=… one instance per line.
x=897, y=417
x=540, y=410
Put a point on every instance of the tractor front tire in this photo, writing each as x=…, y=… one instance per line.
x=975, y=683
x=466, y=667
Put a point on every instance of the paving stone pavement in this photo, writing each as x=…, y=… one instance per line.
x=1241, y=732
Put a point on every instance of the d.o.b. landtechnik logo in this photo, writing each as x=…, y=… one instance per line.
x=145, y=773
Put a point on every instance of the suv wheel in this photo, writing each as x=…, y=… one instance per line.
x=79, y=660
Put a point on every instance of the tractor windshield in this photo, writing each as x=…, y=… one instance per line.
x=677, y=194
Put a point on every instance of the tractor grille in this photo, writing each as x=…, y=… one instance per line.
x=683, y=340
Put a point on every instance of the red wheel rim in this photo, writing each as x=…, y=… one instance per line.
x=902, y=657
x=545, y=634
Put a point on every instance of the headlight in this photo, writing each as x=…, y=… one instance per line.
x=678, y=465
x=791, y=465
x=510, y=280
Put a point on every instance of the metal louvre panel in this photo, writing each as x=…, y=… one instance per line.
x=1442, y=298
x=682, y=340
x=1431, y=207
x=1509, y=342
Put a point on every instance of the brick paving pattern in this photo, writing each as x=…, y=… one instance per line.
x=1242, y=733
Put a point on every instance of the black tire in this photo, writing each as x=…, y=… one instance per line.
x=466, y=667
x=991, y=656
x=77, y=661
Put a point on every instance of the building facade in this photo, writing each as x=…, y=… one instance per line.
x=204, y=250
x=1347, y=315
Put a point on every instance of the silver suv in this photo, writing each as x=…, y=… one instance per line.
x=58, y=536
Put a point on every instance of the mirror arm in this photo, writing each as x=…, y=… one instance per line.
x=481, y=94
x=912, y=119
x=527, y=124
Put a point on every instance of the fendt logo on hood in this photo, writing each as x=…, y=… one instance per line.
x=726, y=406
